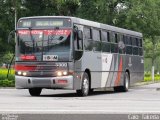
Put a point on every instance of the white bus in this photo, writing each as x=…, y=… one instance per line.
x=60, y=52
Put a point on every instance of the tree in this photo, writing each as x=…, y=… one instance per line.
x=104, y=11
x=144, y=16
x=6, y=24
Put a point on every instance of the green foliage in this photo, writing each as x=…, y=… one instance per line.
x=6, y=58
x=7, y=83
x=148, y=77
x=4, y=82
x=3, y=74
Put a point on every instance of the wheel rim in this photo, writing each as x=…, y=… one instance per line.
x=85, y=85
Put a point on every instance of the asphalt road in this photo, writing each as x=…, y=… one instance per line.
x=142, y=99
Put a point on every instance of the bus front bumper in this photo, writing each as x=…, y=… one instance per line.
x=63, y=82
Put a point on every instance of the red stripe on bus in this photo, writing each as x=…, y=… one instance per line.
x=118, y=79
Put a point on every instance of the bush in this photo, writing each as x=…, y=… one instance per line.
x=148, y=77
x=7, y=82
x=147, y=74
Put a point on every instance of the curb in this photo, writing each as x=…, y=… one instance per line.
x=144, y=83
x=7, y=88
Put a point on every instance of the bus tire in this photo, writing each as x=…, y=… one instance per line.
x=35, y=91
x=125, y=86
x=84, y=91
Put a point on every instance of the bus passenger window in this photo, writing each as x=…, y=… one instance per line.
x=87, y=33
x=116, y=38
x=88, y=42
x=137, y=42
x=104, y=36
x=129, y=50
x=130, y=41
x=140, y=42
x=96, y=40
x=133, y=41
x=95, y=35
x=124, y=39
x=112, y=37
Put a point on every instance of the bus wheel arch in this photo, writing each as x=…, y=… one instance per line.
x=86, y=74
x=84, y=90
x=126, y=83
x=89, y=75
x=127, y=71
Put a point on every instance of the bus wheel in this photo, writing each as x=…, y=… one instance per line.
x=125, y=86
x=35, y=91
x=84, y=91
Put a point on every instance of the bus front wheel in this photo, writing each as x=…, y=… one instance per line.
x=84, y=91
x=35, y=91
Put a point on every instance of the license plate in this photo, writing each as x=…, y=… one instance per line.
x=50, y=57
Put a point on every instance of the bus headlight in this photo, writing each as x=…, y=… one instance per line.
x=65, y=73
x=19, y=72
x=59, y=73
x=24, y=73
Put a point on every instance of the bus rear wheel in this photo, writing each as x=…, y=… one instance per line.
x=125, y=86
x=35, y=91
x=84, y=91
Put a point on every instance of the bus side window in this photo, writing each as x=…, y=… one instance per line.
x=103, y=36
x=121, y=46
x=116, y=37
x=135, y=46
x=128, y=45
x=96, y=39
x=88, y=42
x=75, y=40
x=78, y=42
x=108, y=37
x=80, y=39
x=140, y=47
x=124, y=42
x=124, y=39
x=114, y=43
x=130, y=41
x=105, y=41
x=87, y=33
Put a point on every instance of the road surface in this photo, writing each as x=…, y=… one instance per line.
x=142, y=99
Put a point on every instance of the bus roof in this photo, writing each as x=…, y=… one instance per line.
x=93, y=24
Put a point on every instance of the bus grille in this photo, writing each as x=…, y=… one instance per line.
x=41, y=83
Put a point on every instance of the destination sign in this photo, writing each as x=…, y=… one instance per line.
x=48, y=23
x=44, y=22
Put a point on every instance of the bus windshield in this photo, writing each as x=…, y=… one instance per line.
x=44, y=45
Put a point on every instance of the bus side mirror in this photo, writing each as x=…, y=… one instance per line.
x=10, y=36
x=80, y=35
